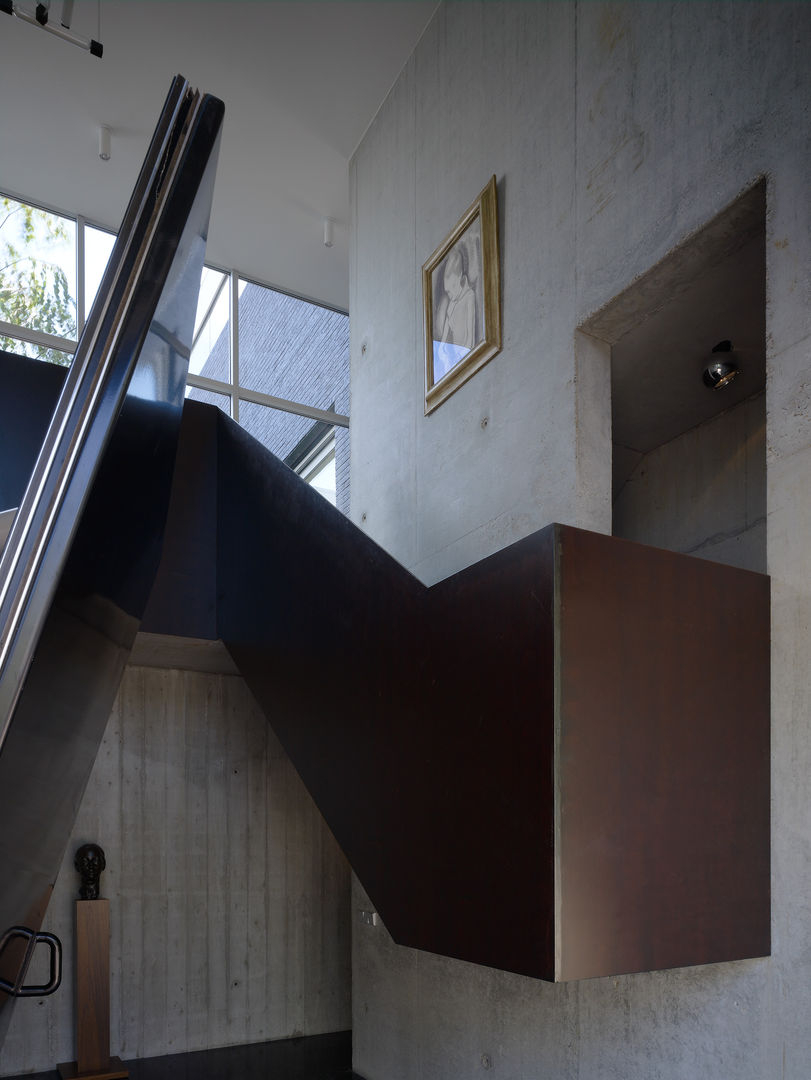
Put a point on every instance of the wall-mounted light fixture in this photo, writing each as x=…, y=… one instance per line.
x=328, y=237
x=104, y=143
x=722, y=368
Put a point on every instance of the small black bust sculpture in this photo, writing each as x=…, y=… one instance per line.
x=89, y=862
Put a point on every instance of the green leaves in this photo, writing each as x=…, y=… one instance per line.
x=34, y=292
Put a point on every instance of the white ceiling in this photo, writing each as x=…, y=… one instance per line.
x=301, y=82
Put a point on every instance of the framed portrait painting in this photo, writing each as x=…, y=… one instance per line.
x=462, y=301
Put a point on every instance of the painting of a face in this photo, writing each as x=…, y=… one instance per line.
x=461, y=296
x=452, y=278
x=458, y=302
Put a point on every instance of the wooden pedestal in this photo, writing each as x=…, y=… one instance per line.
x=93, y=997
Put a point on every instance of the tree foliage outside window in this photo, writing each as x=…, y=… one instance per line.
x=34, y=289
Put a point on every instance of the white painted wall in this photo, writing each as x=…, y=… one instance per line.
x=616, y=130
x=228, y=894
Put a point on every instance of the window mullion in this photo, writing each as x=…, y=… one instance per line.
x=329, y=416
x=37, y=337
x=80, y=275
x=235, y=345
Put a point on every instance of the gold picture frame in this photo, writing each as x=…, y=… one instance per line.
x=461, y=292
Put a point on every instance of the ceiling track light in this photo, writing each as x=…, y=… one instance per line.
x=723, y=367
x=40, y=19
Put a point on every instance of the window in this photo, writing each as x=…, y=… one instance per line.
x=280, y=366
x=276, y=363
x=210, y=353
x=319, y=470
x=38, y=296
x=313, y=458
x=98, y=246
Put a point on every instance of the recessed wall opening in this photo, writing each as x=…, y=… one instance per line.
x=688, y=374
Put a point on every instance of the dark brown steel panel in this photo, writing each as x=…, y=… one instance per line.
x=29, y=391
x=420, y=720
x=183, y=601
x=427, y=735
x=423, y=721
x=664, y=759
x=487, y=867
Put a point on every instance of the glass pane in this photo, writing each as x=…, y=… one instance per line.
x=37, y=270
x=211, y=349
x=35, y=352
x=324, y=481
x=291, y=348
x=222, y=401
x=458, y=302
x=321, y=474
x=97, y=247
x=279, y=431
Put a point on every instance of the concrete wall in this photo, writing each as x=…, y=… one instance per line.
x=495, y=461
x=615, y=131
x=229, y=897
x=703, y=493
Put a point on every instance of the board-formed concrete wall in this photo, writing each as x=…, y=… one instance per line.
x=616, y=131
x=703, y=493
x=228, y=894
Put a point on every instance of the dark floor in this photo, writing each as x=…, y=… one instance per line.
x=317, y=1057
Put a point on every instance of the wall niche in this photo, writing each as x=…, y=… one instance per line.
x=689, y=461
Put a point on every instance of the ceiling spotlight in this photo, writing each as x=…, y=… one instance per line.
x=722, y=368
x=104, y=143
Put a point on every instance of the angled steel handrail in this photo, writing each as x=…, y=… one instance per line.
x=80, y=559
x=30, y=534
